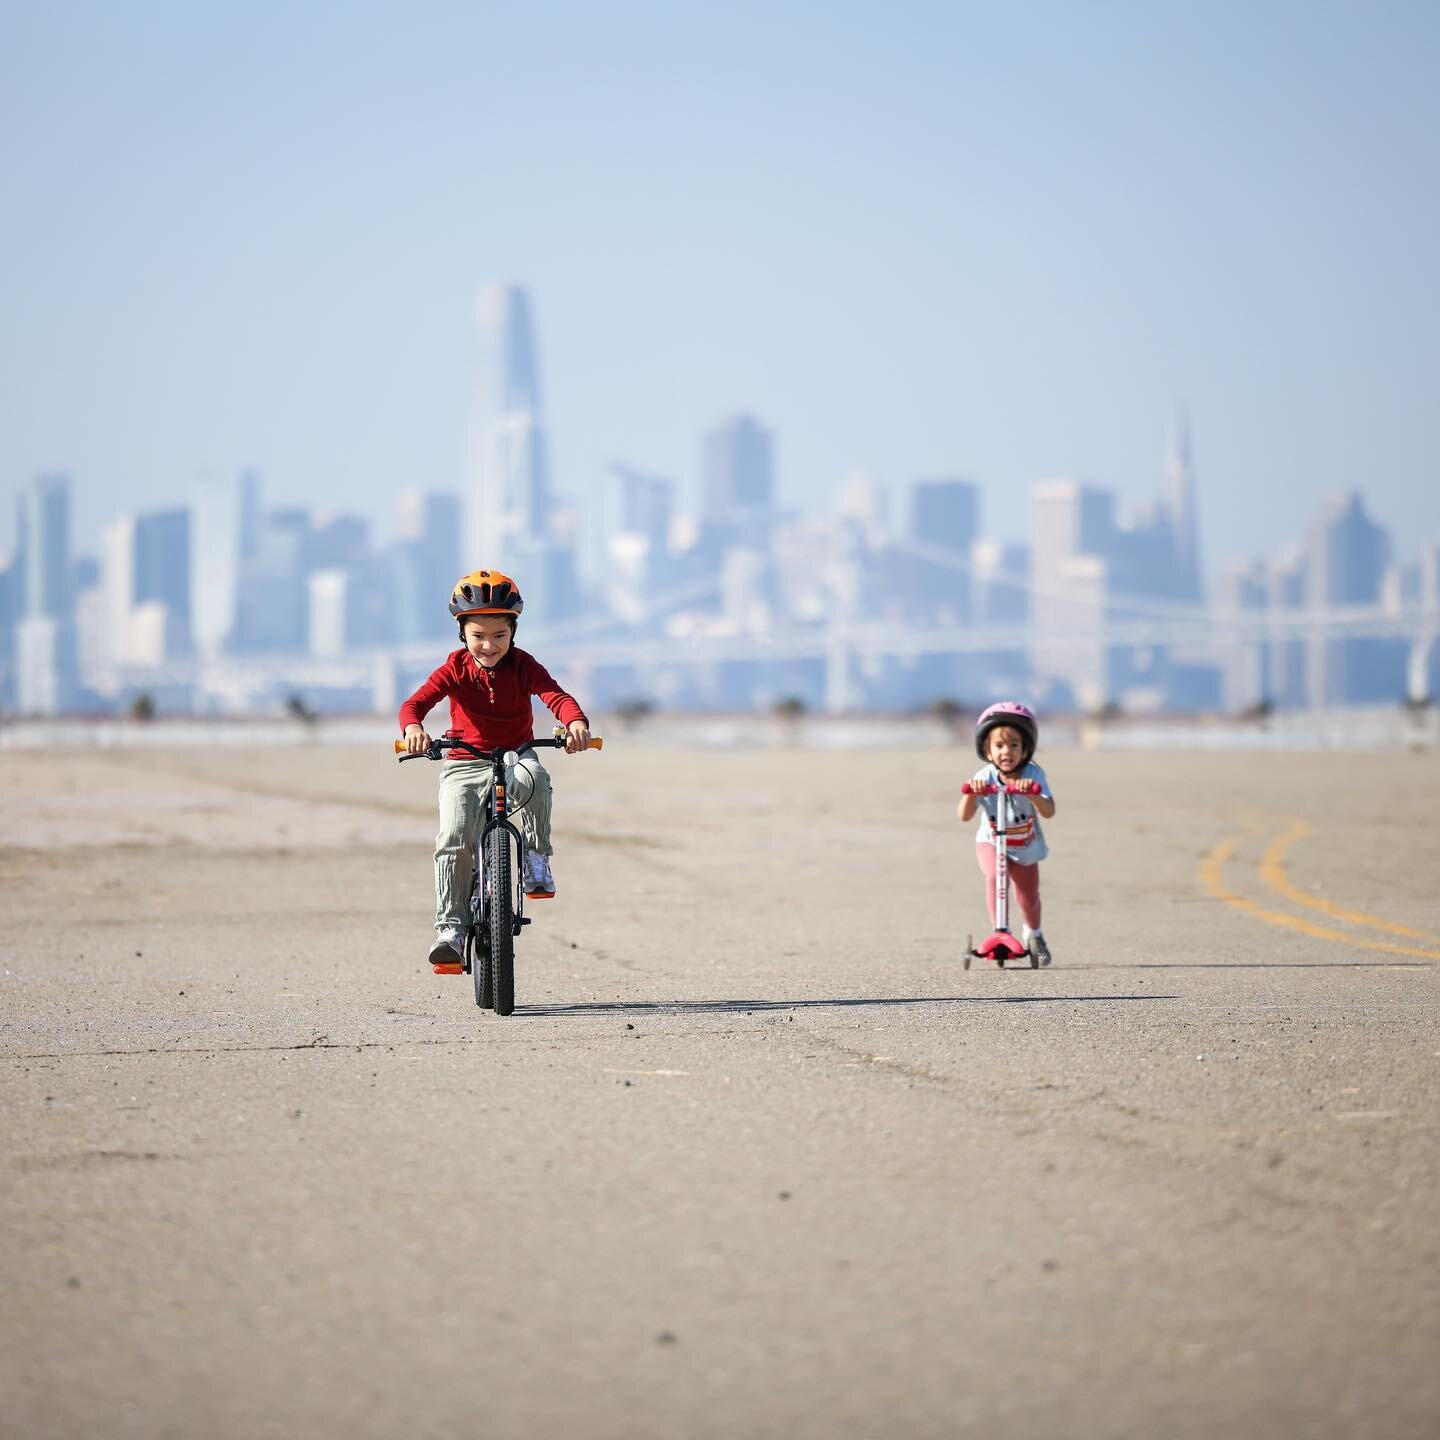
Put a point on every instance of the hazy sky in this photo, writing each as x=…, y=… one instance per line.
x=1000, y=242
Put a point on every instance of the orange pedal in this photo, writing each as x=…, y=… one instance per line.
x=456, y=969
x=538, y=895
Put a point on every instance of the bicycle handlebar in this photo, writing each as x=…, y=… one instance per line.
x=442, y=743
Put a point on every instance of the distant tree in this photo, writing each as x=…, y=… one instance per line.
x=789, y=707
x=1261, y=709
x=951, y=713
x=297, y=708
x=632, y=711
x=1110, y=710
x=1417, y=704
x=142, y=707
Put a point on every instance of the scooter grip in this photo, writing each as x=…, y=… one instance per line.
x=969, y=788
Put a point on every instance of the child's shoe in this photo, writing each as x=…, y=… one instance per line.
x=1035, y=940
x=447, y=956
x=539, y=882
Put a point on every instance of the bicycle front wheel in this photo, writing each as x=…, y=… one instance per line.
x=500, y=921
x=479, y=954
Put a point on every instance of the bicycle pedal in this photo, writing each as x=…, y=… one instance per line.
x=456, y=969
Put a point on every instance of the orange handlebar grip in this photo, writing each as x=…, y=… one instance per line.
x=596, y=743
x=399, y=747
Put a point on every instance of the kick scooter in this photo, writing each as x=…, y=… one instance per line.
x=1001, y=945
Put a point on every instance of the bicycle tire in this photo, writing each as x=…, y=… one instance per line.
x=480, y=967
x=499, y=915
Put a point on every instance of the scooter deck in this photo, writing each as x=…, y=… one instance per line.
x=1000, y=947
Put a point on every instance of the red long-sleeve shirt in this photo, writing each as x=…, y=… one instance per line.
x=491, y=707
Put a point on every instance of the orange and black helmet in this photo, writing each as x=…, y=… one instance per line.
x=485, y=592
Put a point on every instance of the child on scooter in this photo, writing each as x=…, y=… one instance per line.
x=1005, y=738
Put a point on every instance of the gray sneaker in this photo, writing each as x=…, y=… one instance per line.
x=539, y=882
x=449, y=947
x=1035, y=942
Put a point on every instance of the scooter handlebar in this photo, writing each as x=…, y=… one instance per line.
x=970, y=788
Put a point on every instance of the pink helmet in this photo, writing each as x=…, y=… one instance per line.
x=1008, y=712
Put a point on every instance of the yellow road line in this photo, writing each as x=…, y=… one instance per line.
x=1272, y=871
x=1212, y=877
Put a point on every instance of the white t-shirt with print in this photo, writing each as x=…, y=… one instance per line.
x=1026, y=839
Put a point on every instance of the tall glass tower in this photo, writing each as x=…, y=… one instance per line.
x=224, y=532
x=1180, y=478
x=510, y=491
x=44, y=530
x=45, y=635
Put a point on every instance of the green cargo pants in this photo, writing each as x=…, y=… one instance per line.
x=463, y=787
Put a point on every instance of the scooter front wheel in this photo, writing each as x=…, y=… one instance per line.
x=969, y=950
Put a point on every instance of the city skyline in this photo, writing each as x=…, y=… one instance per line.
x=933, y=240
x=1102, y=605
x=527, y=435
x=687, y=499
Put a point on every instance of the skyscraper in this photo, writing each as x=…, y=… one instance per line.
x=1072, y=544
x=146, y=586
x=1286, y=591
x=272, y=608
x=424, y=564
x=1180, y=503
x=224, y=532
x=162, y=566
x=44, y=531
x=945, y=513
x=509, y=460
x=945, y=518
x=10, y=601
x=1346, y=555
x=1246, y=678
x=45, y=635
x=737, y=473
x=638, y=504
x=625, y=540
x=1069, y=518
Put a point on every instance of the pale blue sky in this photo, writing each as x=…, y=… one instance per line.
x=922, y=238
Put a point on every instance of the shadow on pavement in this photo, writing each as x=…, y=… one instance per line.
x=1261, y=965
x=747, y=1007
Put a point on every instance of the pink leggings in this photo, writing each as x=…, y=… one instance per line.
x=1024, y=880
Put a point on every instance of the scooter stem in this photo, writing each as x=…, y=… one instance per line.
x=1002, y=860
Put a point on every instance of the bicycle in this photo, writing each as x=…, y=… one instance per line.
x=496, y=915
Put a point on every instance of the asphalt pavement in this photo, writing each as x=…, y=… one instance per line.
x=755, y=1156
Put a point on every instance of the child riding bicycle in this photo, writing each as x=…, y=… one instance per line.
x=1005, y=738
x=489, y=682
